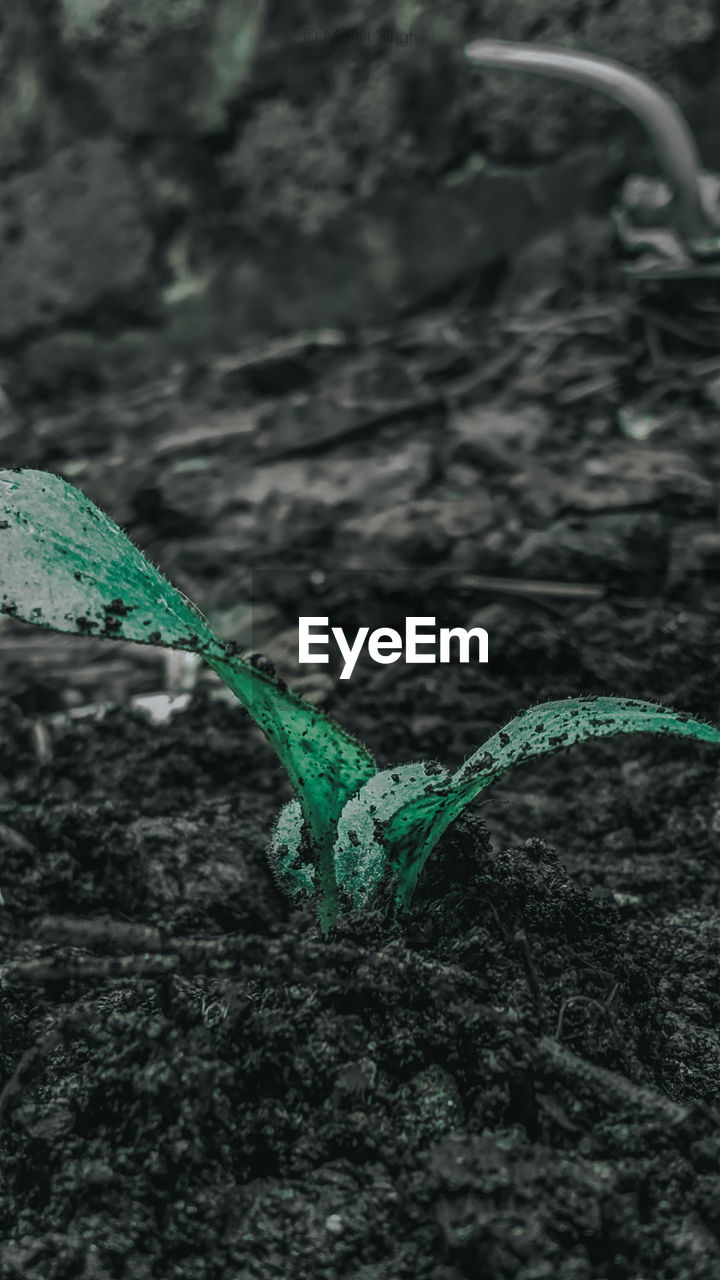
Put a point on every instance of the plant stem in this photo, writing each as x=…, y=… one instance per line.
x=653, y=107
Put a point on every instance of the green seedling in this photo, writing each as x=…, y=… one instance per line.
x=67, y=567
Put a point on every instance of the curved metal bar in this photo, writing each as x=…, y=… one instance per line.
x=653, y=107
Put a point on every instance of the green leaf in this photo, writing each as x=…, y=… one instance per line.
x=361, y=854
x=66, y=566
x=286, y=850
x=415, y=827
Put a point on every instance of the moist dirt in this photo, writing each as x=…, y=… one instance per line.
x=518, y=1079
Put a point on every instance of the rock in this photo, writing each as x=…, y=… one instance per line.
x=72, y=237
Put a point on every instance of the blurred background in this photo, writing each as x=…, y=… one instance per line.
x=177, y=176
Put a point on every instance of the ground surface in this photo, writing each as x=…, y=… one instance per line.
x=522, y=1079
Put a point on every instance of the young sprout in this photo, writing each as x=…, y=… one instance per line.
x=67, y=567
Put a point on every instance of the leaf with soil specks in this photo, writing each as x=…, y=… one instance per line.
x=361, y=850
x=66, y=566
x=414, y=829
x=395, y=819
x=359, y=855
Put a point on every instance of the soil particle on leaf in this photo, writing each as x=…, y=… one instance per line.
x=118, y=608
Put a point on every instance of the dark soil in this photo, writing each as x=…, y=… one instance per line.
x=520, y=1079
